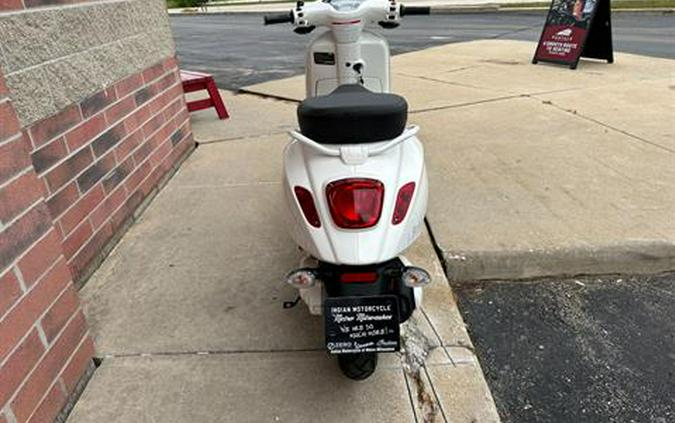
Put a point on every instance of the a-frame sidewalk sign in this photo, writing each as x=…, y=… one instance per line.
x=575, y=29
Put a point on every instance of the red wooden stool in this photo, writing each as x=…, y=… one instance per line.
x=197, y=81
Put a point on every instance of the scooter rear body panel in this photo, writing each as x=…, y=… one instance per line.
x=312, y=170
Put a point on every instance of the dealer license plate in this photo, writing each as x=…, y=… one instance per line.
x=362, y=324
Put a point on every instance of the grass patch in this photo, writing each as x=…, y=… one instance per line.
x=185, y=3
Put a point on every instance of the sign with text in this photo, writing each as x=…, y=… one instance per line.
x=576, y=28
x=362, y=324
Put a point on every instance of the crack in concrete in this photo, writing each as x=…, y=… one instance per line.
x=603, y=124
x=415, y=349
x=455, y=84
x=437, y=249
x=473, y=103
x=444, y=72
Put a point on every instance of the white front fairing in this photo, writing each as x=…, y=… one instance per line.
x=306, y=167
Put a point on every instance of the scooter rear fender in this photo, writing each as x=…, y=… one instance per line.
x=308, y=168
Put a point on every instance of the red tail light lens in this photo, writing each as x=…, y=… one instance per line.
x=307, y=205
x=363, y=277
x=355, y=203
x=405, y=195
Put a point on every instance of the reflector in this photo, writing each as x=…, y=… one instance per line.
x=405, y=195
x=308, y=207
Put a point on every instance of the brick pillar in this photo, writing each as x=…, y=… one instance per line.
x=44, y=343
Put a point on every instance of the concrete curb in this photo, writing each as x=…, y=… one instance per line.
x=626, y=258
x=435, y=10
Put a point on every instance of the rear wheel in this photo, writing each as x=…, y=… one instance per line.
x=358, y=366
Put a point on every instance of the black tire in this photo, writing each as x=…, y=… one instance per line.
x=358, y=366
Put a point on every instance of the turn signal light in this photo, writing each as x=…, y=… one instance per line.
x=355, y=203
x=307, y=205
x=403, y=200
x=415, y=277
x=301, y=278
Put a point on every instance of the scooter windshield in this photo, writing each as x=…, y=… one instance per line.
x=344, y=5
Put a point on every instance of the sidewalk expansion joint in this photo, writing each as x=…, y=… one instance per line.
x=242, y=138
x=231, y=185
x=410, y=395
x=438, y=336
x=515, y=31
x=269, y=96
x=433, y=390
x=203, y=353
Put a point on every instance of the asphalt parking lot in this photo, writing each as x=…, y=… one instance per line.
x=582, y=350
x=239, y=51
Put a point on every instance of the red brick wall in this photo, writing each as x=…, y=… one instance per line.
x=99, y=159
x=71, y=182
x=44, y=343
x=68, y=185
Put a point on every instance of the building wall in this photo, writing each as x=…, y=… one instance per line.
x=92, y=121
x=96, y=89
x=44, y=344
x=56, y=56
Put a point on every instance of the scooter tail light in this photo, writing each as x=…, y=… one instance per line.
x=403, y=200
x=415, y=277
x=355, y=203
x=307, y=205
x=301, y=278
x=361, y=277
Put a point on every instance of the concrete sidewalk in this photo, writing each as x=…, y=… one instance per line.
x=540, y=170
x=187, y=311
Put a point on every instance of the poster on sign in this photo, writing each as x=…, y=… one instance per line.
x=576, y=28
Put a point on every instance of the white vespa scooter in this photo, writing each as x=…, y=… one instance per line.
x=355, y=183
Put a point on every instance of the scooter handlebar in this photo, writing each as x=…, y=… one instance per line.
x=279, y=18
x=415, y=10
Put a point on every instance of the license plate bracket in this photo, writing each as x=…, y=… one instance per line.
x=362, y=324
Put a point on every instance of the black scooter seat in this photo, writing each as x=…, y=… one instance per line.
x=352, y=114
